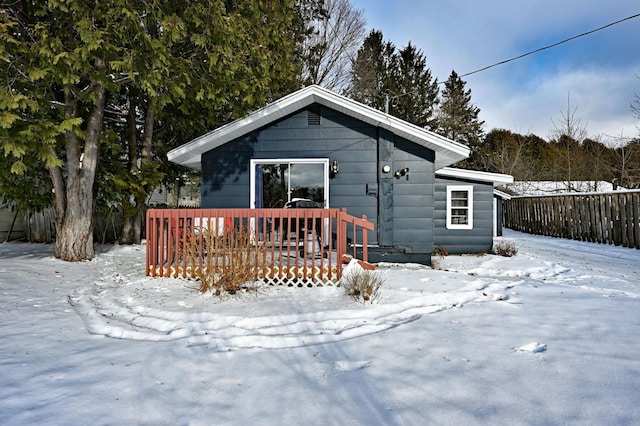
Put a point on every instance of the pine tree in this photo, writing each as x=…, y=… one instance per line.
x=71, y=65
x=415, y=91
x=458, y=117
x=371, y=80
x=397, y=82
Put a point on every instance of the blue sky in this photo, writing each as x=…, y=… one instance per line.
x=600, y=73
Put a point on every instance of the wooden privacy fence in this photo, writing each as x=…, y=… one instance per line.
x=608, y=218
x=302, y=246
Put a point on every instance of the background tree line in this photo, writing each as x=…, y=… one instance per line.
x=93, y=94
x=565, y=159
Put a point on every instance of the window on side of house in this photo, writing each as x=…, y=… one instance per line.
x=460, y=207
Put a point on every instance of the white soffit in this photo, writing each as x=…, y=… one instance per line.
x=447, y=151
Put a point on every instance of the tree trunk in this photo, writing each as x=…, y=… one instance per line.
x=74, y=230
x=132, y=226
x=128, y=234
x=74, y=241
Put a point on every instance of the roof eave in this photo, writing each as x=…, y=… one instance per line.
x=496, y=179
x=447, y=152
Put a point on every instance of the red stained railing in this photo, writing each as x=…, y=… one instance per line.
x=302, y=245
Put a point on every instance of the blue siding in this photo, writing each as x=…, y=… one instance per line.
x=225, y=170
x=413, y=197
x=402, y=210
x=458, y=241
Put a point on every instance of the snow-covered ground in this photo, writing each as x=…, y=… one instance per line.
x=550, y=336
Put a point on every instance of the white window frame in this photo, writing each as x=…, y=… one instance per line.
x=252, y=174
x=469, y=190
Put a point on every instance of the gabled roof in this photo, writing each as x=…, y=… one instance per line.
x=447, y=151
x=494, y=178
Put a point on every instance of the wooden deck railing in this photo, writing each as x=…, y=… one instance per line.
x=303, y=246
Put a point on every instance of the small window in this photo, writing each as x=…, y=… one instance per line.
x=313, y=115
x=460, y=207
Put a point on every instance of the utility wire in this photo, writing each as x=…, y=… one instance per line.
x=550, y=46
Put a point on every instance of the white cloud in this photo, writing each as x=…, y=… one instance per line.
x=598, y=70
x=601, y=99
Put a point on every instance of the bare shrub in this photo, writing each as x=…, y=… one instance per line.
x=227, y=262
x=363, y=285
x=440, y=251
x=506, y=249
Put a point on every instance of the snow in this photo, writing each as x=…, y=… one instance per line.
x=550, y=336
x=546, y=187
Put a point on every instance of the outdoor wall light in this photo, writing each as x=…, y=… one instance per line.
x=335, y=167
x=401, y=172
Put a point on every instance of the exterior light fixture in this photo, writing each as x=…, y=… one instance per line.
x=401, y=172
x=335, y=167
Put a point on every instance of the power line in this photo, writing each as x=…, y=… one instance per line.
x=550, y=46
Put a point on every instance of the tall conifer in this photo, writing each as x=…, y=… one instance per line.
x=458, y=117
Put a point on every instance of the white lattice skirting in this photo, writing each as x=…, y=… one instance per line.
x=292, y=276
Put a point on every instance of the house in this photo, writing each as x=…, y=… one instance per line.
x=329, y=151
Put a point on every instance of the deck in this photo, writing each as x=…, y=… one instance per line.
x=301, y=247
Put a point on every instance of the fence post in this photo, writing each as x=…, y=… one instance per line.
x=608, y=218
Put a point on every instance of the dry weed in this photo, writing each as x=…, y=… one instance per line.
x=227, y=262
x=363, y=285
x=506, y=249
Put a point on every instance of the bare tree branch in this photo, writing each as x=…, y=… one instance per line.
x=328, y=52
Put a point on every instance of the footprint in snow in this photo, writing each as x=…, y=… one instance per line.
x=533, y=347
x=346, y=366
x=322, y=369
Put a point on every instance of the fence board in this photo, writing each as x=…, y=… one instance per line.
x=607, y=218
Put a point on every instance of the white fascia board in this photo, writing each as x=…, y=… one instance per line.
x=190, y=153
x=475, y=175
x=447, y=151
x=501, y=194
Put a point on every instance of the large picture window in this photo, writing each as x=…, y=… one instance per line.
x=460, y=207
x=280, y=181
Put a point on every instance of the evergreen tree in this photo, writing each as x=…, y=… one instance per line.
x=397, y=82
x=458, y=117
x=415, y=92
x=371, y=79
x=71, y=65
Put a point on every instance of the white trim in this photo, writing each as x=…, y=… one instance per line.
x=256, y=161
x=475, y=175
x=447, y=152
x=501, y=194
x=469, y=190
x=494, y=216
